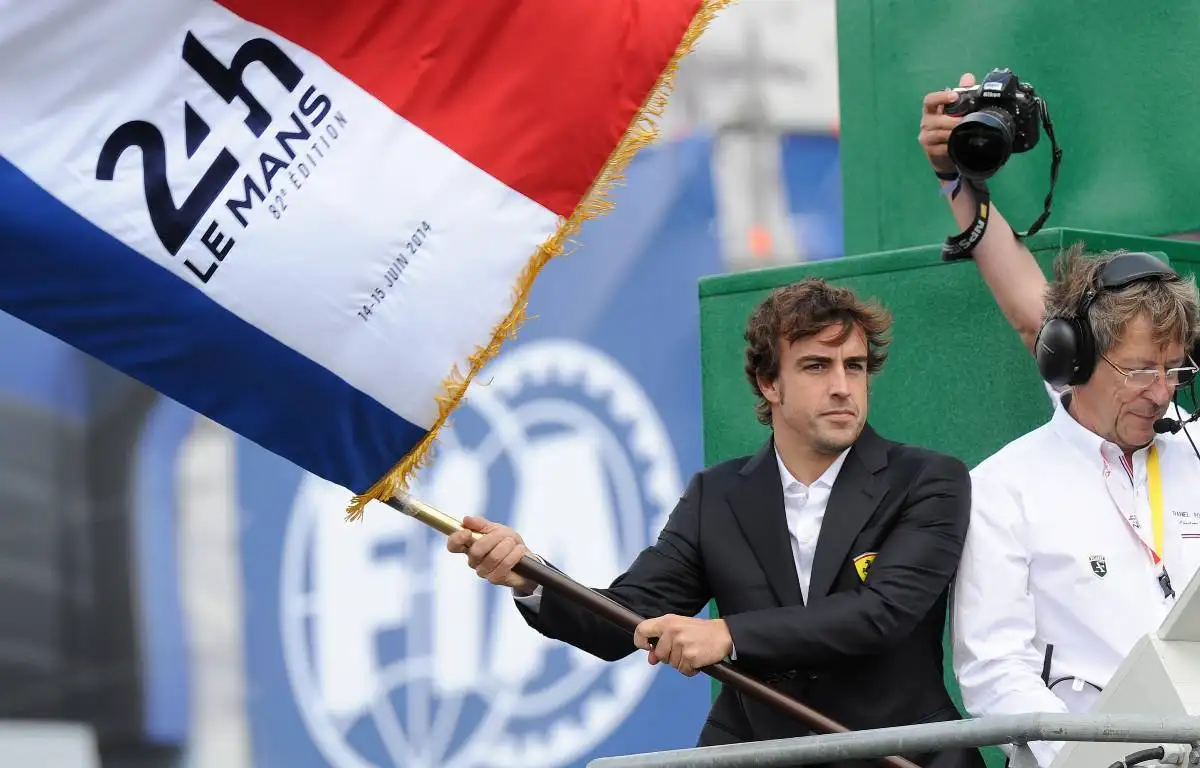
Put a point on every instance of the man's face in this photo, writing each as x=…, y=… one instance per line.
x=1122, y=410
x=820, y=395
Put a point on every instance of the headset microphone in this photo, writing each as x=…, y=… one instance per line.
x=1164, y=425
x=1167, y=424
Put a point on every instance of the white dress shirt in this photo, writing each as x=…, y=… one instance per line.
x=1051, y=557
x=804, y=508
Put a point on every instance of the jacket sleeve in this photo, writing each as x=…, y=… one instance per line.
x=914, y=567
x=667, y=577
x=992, y=616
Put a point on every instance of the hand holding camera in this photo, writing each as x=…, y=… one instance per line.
x=1000, y=116
x=975, y=128
x=936, y=126
x=971, y=131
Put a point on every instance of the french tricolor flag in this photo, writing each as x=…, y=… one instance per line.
x=312, y=221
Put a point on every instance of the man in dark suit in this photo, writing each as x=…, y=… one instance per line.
x=829, y=552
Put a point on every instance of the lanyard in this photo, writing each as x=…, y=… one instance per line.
x=1154, y=481
x=1154, y=546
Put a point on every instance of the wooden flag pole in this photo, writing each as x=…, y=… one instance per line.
x=556, y=581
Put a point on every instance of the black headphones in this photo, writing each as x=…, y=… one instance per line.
x=1065, y=347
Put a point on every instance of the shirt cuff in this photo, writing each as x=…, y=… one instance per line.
x=532, y=601
x=1045, y=751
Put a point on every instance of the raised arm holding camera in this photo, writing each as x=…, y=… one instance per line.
x=1083, y=530
x=968, y=137
x=1007, y=266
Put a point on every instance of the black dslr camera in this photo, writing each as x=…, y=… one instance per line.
x=1002, y=117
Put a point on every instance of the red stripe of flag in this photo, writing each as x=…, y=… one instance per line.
x=537, y=93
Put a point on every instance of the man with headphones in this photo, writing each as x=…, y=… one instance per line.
x=1084, y=530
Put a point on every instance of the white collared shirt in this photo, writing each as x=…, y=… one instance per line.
x=1051, y=558
x=804, y=507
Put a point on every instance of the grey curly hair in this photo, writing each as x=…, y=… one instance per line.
x=1172, y=306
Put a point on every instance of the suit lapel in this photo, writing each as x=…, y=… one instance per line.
x=855, y=495
x=757, y=503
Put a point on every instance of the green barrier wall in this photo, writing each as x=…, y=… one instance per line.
x=957, y=380
x=1115, y=74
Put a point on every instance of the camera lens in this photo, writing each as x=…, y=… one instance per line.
x=981, y=143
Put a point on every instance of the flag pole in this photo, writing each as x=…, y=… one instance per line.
x=605, y=607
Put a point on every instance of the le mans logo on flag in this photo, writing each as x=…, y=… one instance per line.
x=314, y=222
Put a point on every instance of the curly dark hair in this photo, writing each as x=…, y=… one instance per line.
x=804, y=309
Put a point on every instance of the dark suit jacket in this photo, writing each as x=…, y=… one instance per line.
x=868, y=654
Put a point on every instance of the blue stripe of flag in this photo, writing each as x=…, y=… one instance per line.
x=66, y=276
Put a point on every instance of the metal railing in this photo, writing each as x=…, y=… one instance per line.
x=927, y=737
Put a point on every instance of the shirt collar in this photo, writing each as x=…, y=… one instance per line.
x=826, y=479
x=1083, y=439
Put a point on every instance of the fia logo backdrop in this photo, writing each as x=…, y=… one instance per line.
x=370, y=645
x=391, y=641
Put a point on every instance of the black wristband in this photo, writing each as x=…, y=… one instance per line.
x=947, y=175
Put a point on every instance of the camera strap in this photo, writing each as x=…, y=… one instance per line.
x=962, y=245
x=1055, y=160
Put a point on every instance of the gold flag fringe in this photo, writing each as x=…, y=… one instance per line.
x=642, y=132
